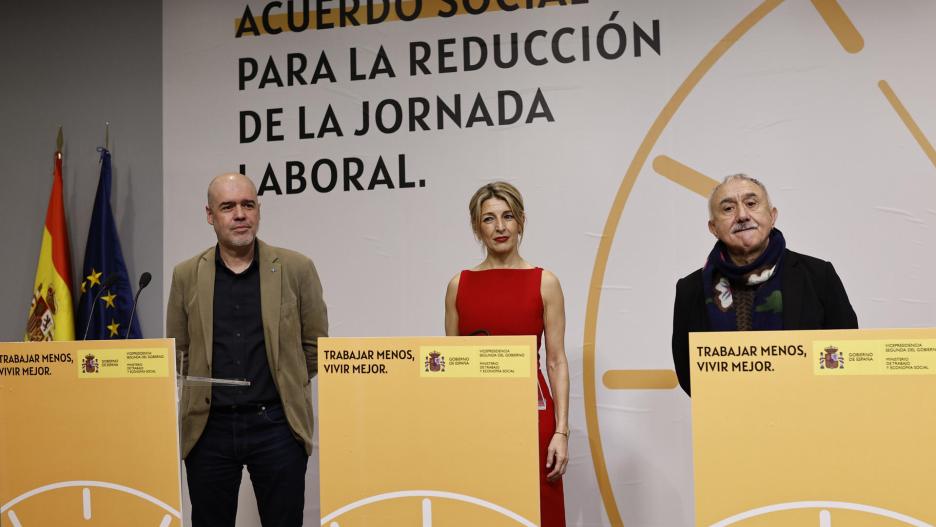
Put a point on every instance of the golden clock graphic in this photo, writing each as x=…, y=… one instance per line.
x=820, y=514
x=601, y=383
x=424, y=507
x=87, y=503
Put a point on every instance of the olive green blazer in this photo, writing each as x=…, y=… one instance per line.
x=294, y=317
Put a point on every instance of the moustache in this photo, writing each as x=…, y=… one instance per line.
x=738, y=227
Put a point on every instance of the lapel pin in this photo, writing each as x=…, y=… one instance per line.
x=272, y=269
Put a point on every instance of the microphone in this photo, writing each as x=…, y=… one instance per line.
x=108, y=282
x=144, y=281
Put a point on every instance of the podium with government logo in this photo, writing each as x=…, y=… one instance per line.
x=428, y=431
x=89, y=434
x=814, y=428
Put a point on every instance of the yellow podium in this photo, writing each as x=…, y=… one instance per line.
x=89, y=434
x=814, y=428
x=428, y=429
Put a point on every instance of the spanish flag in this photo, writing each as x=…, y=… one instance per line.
x=51, y=315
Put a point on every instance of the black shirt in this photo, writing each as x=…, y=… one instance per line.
x=239, y=350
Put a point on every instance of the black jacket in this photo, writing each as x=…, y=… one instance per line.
x=813, y=298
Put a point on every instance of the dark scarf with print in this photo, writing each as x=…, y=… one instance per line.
x=728, y=286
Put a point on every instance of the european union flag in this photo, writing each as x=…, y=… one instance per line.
x=104, y=264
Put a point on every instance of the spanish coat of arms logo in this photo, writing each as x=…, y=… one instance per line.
x=90, y=364
x=435, y=362
x=41, y=324
x=831, y=359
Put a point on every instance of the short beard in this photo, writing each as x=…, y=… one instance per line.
x=243, y=243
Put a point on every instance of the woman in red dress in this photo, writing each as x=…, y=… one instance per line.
x=505, y=295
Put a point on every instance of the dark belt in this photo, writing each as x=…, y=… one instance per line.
x=250, y=408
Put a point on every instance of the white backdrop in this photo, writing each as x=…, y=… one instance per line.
x=786, y=102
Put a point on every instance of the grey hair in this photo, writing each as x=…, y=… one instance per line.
x=728, y=179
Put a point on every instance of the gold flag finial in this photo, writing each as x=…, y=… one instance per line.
x=58, y=141
x=107, y=135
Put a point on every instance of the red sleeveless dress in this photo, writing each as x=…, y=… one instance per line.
x=509, y=302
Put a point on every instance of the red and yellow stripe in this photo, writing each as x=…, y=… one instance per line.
x=53, y=271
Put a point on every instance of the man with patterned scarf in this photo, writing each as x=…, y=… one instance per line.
x=751, y=281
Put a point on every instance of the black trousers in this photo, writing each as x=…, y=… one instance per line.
x=259, y=438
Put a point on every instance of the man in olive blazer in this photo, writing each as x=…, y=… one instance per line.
x=266, y=427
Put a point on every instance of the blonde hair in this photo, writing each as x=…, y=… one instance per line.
x=497, y=190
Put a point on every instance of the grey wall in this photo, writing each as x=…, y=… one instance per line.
x=79, y=64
